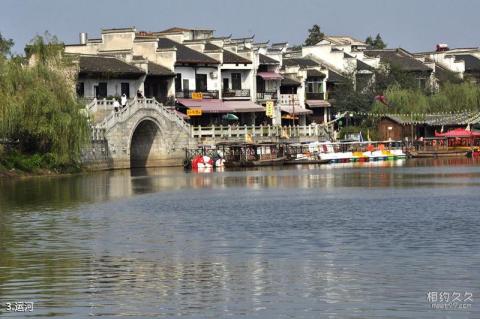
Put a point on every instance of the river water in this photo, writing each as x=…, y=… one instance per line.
x=366, y=240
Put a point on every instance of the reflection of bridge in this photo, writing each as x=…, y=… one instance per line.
x=147, y=133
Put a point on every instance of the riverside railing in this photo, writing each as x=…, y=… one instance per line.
x=274, y=131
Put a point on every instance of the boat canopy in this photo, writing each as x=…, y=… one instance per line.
x=459, y=132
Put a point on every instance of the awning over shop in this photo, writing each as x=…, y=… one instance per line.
x=244, y=106
x=318, y=103
x=207, y=105
x=295, y=110
x=270, y=75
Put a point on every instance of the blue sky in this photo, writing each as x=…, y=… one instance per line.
x=412, y=24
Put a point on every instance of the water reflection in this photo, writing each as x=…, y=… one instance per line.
x=340, y=241
x=45, y=193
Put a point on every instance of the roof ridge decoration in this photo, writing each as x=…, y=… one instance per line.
x=118, y=30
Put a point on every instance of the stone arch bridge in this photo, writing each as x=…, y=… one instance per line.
x=147, y=133
x=143, y=134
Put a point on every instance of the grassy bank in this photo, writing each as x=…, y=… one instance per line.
x=13, y=164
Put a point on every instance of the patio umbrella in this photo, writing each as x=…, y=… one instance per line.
x=230, y=117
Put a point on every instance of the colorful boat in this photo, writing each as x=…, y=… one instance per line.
x=344, y=152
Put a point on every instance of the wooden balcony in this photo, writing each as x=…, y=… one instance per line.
x=289, y=99
x=187, y=94
x=267, y=95
x=236, y=93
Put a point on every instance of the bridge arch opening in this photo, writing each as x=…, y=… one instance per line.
x=145, y=144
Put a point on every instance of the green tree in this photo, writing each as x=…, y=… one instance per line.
x=376, y=43
x=314, y=35
x=347, y=98
x=358, y=92
x=39, y=109
x=5, y=46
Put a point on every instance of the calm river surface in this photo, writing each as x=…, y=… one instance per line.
x=331, y=241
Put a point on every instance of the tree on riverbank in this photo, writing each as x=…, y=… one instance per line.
x=39, y=111
x=452, y=97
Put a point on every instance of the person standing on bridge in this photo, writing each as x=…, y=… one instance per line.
x=123, y=100
x=116, y=105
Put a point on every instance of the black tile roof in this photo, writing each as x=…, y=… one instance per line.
x=315, y=73
x=399, y=58
x=228, y=56
x=185, y=54
x=445, y=75
x=472, y=63
x=232, y=58
x=263, y=59
x=362, y=66
x=210, y=46
x=159, y=70
x=287, y=81
x=302, y=62
x=102, y=66
x=335, y=77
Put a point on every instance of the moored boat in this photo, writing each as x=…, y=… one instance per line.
x=344, y=152
x=251, y=154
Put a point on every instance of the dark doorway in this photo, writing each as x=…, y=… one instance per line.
x=178, y=82
x=260, y=84
x=201, y=82
x=236, y=81
x=80, y=89
x=157, y=87
x=226, y=85
x=126, y=89
x=101, y=90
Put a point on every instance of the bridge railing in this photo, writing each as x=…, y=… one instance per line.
x=133, y=105
x=98, y=133
x=228, y=131
x=168, y=112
